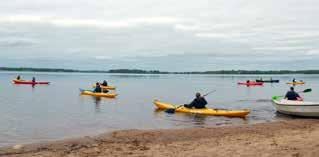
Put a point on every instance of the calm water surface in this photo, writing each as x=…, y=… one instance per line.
x=57, y=111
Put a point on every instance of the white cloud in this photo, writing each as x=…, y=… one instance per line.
x=103, y=57
x=218, y=35
x=312, y=52
x=101, y=23
x=183, y=27
x=283, y=48
x=17, y=42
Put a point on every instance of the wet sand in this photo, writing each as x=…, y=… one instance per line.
x=290, y=138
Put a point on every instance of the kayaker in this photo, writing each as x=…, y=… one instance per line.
x=18, y=77
x=104, y=83
x=98, y=88
x=33, y=79
x=294, y=80
x=292, y=95
x=199, y=102
x=247, y=81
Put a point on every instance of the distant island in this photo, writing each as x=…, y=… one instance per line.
x=138, y=71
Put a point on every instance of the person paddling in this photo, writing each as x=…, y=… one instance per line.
x=104, y=83
x=292, y=95
x=33, y=79
x=18, y=77
x=294, y=80
x=98, y=88
x=199, y=102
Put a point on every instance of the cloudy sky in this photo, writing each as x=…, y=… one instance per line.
x=180, y=35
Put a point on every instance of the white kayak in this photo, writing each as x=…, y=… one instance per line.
x=297, y=108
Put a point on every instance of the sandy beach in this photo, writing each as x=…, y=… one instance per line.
x=283, y=138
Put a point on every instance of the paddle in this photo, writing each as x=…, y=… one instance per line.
x=304, y=91
x=172, y=110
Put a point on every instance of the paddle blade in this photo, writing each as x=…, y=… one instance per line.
x=276, y=97
x=307, y=90
x=170, y=110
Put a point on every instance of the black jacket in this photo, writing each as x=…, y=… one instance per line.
x=198, y=103
x=292, y=95
x=97, y=89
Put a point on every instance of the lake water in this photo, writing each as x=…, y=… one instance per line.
x=56, y=111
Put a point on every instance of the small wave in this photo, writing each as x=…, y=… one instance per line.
x=256, y=100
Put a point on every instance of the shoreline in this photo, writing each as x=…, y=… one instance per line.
x=295, y=137
x=140, y=71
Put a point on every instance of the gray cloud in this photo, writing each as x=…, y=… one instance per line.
x=107, y=29
x=16, y=42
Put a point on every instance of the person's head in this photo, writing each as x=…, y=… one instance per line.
x=292, y=88
x=197, y=95
x=97, y=84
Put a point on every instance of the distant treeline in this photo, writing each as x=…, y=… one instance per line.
x=138, y=71
x=255, y=72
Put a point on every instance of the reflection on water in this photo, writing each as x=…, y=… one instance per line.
x=256, y=100
x=281, y=116
x=50, y=112
x=97, y=101
x=198, y=119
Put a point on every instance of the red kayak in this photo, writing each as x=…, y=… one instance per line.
x=251, y=83
x=28, y=82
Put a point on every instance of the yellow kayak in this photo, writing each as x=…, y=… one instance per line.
x=107, y=95
x=296, y=83
x=106, y=87
x=206, y=111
